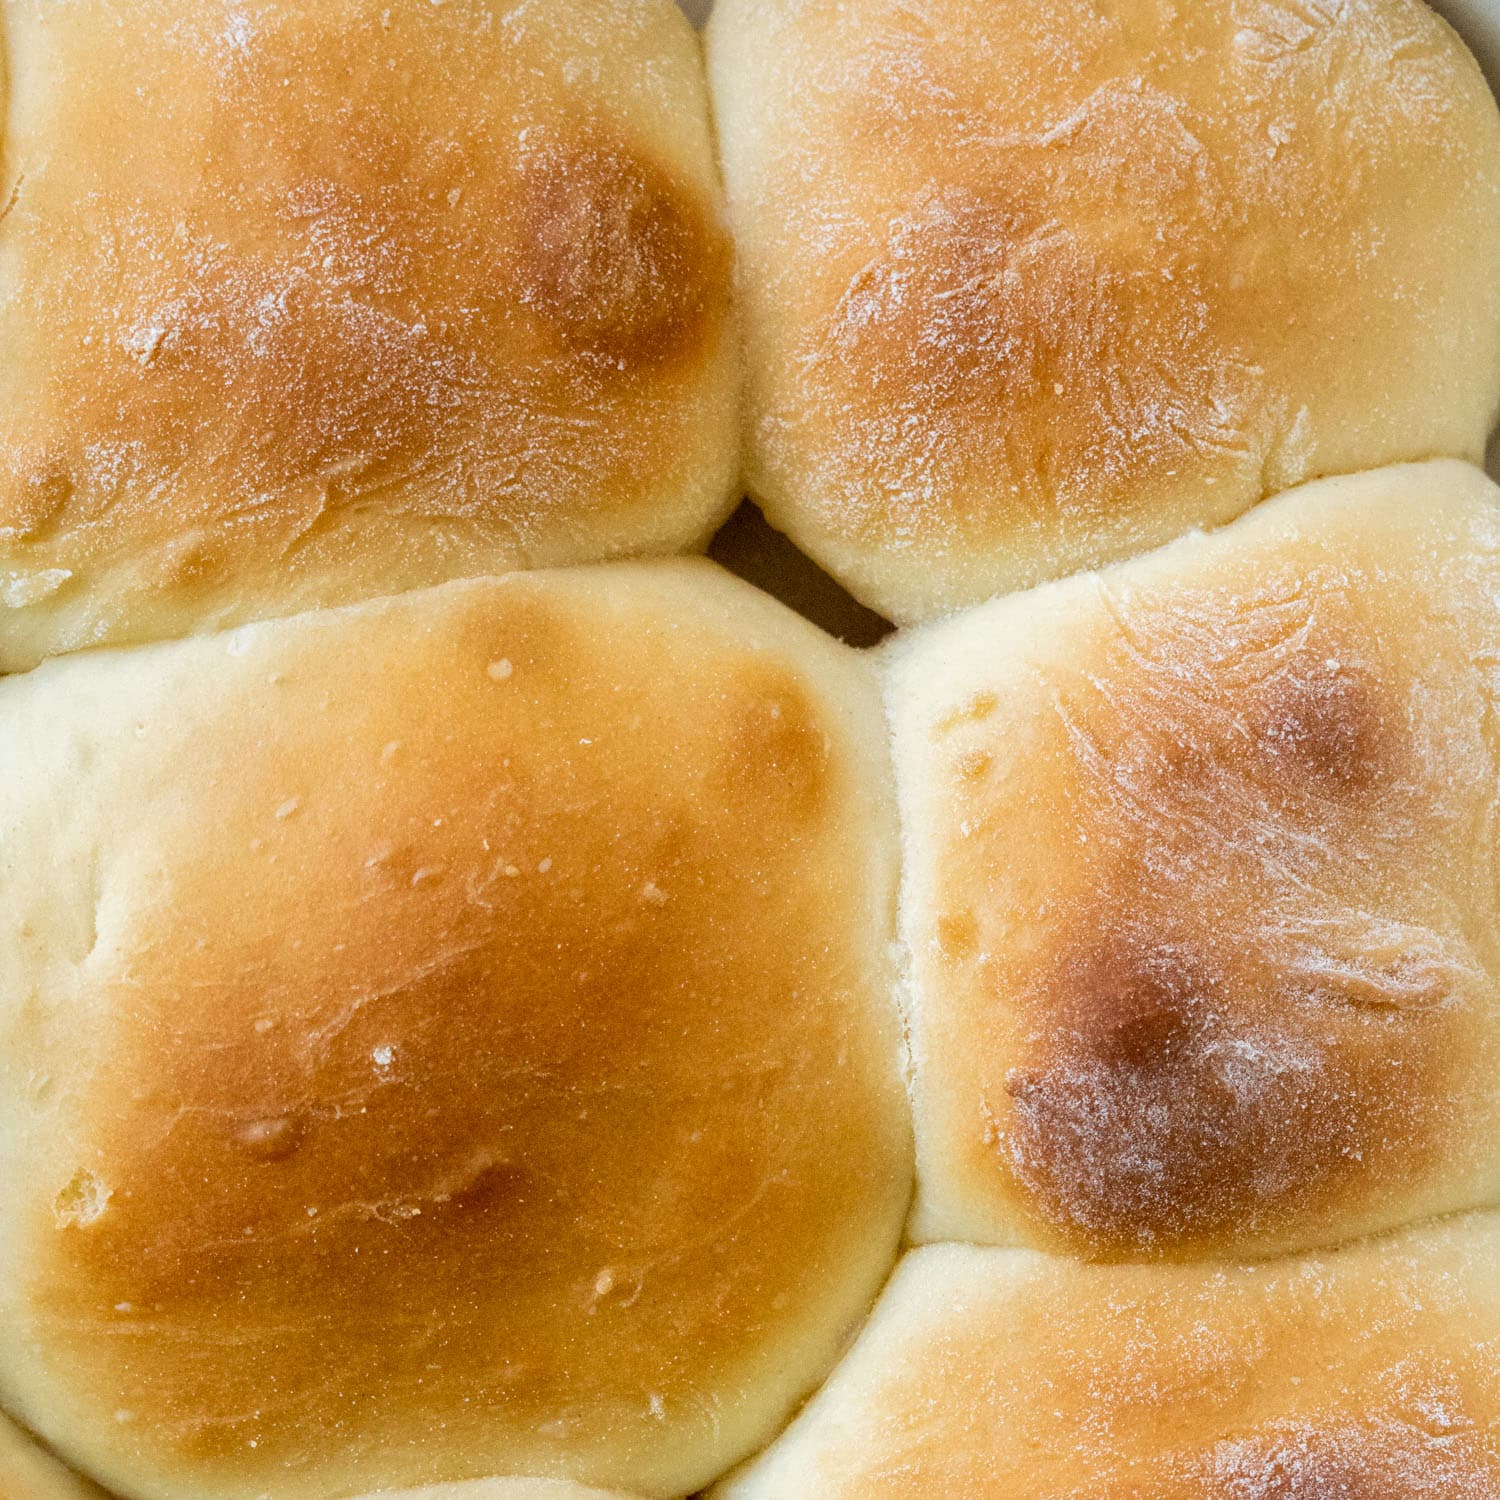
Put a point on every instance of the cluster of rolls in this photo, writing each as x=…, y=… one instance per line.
x=492, y=1008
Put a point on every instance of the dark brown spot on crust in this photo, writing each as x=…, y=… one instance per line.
x=625, y=265
x=1322, y=724
x=1436, y=1458
x=1170, y=1097
x=1233, y=1023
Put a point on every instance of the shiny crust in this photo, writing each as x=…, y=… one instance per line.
x=1036, y=286
x=303, y=301
x=445, y=1037
x=1366, y=1374
x=1200, y=891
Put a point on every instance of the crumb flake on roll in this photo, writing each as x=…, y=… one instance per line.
x=1200, y=895
x=1008, y=1375
x=308, y=301
x=1031, y=287
x=446, y=1037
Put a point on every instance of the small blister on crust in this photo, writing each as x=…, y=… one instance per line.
x=1199, y=884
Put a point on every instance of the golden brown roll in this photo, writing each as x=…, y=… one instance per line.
x=27, y=1473
x=305, y=301
x=445, y=1037
x=1201, y=895
x=1036, y=285
x=1007, y=1375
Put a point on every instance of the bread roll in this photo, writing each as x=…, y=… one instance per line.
x=305, y=301
x=1033, y=286
x=1201, y=889
x=27, y=1473
x=502, y=1489
x=1007, y=1375
x=445, y=1037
